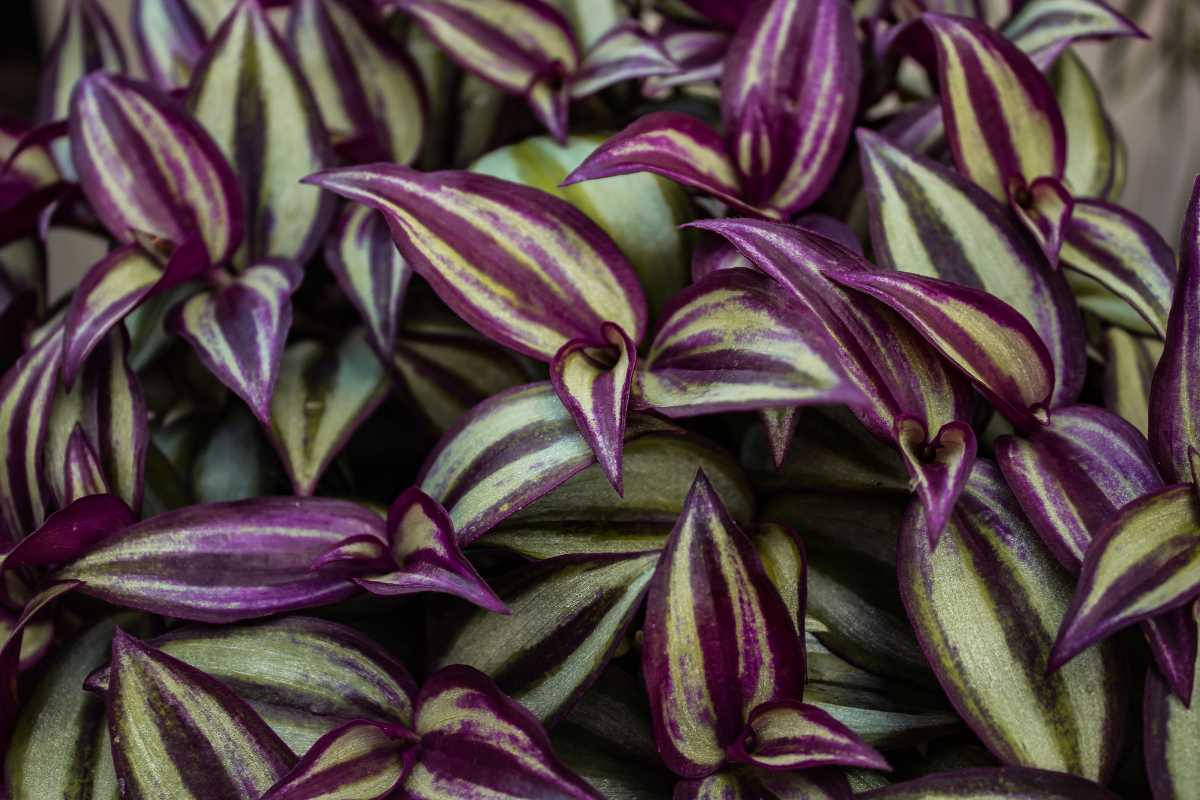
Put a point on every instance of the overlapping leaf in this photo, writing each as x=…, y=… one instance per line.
x=371, y=272
x=171, y=40
x=1128, y=371
x=361, y=760
x=1171, y=728
x=1049, y=25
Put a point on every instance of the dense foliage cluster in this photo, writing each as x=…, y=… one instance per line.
x=544, y=399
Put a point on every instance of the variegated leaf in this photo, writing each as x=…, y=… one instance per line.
x=731, y=342
x=787, y=116
x=150, y=171
x=1128, y=370
x=718, y=639
x=985, y=605
x=369, y=91
x=360, y=760
x=474, y=739
x=238, y=330
x=626, y=52
x=222, y=562
x=322, y=396
x=371, y=272
x=249, y=93
x=525, y=268
x=757, y=784
x=507, y=452
x=524, y=47
x=1171, y=729
x=179, y=733
x=171, y=40
x=789, y=734
x=929, y=220
x=82, y=473
x=1094, y=148
x=569, y=615
x=1049, y=25
x=1144, y=561
x=994, y=784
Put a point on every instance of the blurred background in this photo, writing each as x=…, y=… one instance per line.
x=1152, y=91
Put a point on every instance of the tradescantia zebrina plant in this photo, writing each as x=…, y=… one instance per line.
x=544, y=399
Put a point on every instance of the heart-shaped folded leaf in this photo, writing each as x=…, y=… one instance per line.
x=523, y=267
x=1125, y=255
x=108, y=405
x=1145, y=561
x=1002, y=119
x=985, y=605
x=1072, y=475
x=719, y=640
x=223, y=562
x=787, y=117
x=86, y=42
x=980, y=334
x=171, y=40
x=447, y=369
x=585, y=516
x=371, y=272
x=929, y=220
x=179, y=733
x=939, y=464
x=361, y=760
x=322, y=396
x=524, y=47
x=367, y=88
x=1094, y=149
x=250, y=95
x=238, y=330
x=1044, y=207
x=427, y=555
x=305, y=677
x=1128, y=371
x=507, y=452
x=1174, y=403
x=26, y=391
x=1050, y=25
x=150, y=171
x=674, y=145
x=789, y=734
x=732, y=342
x=994, y=784
x=474, y=739
x=1171, y=731
x=626, y=52
x=569, y=616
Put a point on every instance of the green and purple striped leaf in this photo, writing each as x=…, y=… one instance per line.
x=1174, y=400
x=238, y=328
x=985, y=605
x=427, y=557
x=523, y=47
x=626, y=52
x=789, y=94
x=1002, y=119
x=323, y=394
x=594, y=379
x=305, y=677
x=1128, y=371
x=752, y=784
x=171, y=40
x=718, y=638
x=698, y=55
x=222, y=562
x=732, y=342
x=523, y=267
x=1044, y=207
x=361, y=760
x=676, y=146
x=1172, y=729
x=82, y=473
x=1124, y=254
x=929, y=220
x=368, y=90
x=507, y=452
x=788, y=734
x=1094, y=148
x=1050, y=25
x=1146, y=560
x=108, y=406
x=1012, y=367
x=569, y=616
x=70, y=532
x=248, y=93
x=372, y=273
x=86, y=41
x=26, y=392
x=478, y=744
x=179, y=733
x=1004, y=783
x=150, y=171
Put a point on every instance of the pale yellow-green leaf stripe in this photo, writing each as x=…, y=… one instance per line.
x=250, y=96
x=358, y=762
x=1042, y=23
x=25, y=395
x=314, y=410
x=1171, y=731
x=1128, y=369
x=1092, y=140
x=784, y=560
